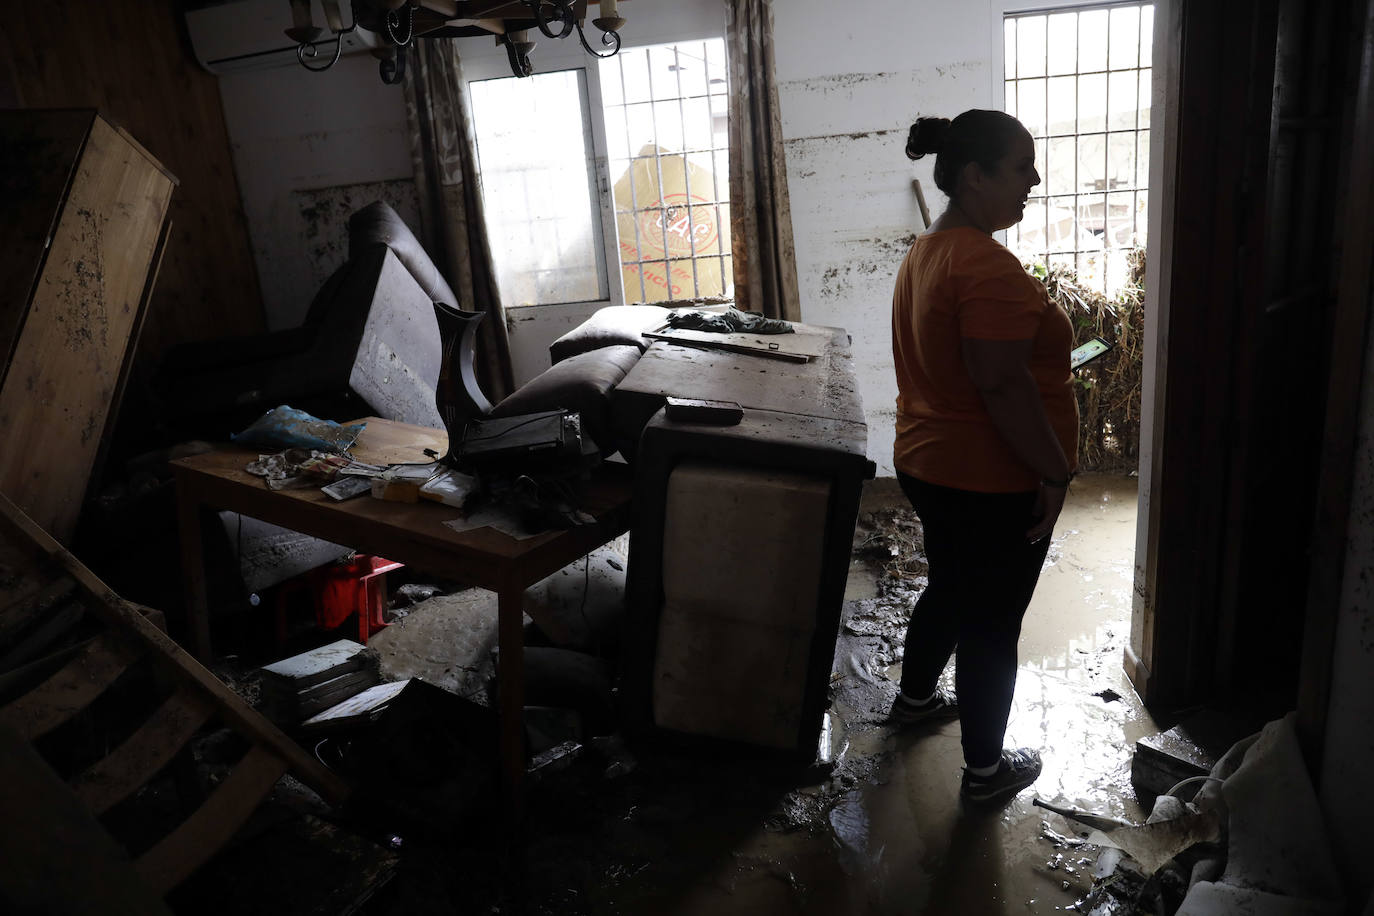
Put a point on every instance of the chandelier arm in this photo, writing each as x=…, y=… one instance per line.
x=609, y=39
x=301, y=54
x=562, y=13
x=519, y=61
x=392, y=25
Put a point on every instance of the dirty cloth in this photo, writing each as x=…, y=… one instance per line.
x=1278, y=857
x=297, y=467
x=730, y=321
x=287, y=427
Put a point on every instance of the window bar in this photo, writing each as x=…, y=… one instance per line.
x=1106, y=159
x=715, y=176
x=686, y=174
x=722, y=247
x=1077, y=128
x=1135, y=134
x=658, y=163
x=1046, y=208
x=634, y=193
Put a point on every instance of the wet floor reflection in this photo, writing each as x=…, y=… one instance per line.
x=886, y=834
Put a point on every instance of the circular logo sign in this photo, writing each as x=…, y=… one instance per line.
x=676, y=229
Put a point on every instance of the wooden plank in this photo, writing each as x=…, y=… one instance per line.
x=38, y=154
x=20, y=613
x=22, y=574
x=70, y=690
x=144, y=753
x=58, y=859
x=43, y=636
x=33, y=669
x=179, y=853
x=134, y=626
x=59, y=388
x=95, y=479
x=805, y=343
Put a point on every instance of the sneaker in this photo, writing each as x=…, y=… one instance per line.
x=1016, y=770
x=940, y=708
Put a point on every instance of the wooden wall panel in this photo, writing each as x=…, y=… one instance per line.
x=130, y=59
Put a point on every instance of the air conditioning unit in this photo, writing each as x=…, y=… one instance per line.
x=231, y=36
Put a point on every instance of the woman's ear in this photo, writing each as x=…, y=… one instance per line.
x=972, y=176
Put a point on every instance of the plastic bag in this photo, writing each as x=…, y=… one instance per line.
x=286, y=427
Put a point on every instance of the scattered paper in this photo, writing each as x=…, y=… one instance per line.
x=503, y=520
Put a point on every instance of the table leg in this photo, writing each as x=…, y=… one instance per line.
x=510, y=686
x=197, y=618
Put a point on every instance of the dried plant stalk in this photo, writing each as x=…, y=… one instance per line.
x=1108, y=389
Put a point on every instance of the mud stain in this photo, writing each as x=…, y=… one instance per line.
x=81, y=293
x=841, y=138
x=872, y=257
x=324, y=212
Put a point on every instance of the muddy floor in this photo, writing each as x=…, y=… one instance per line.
x=873, y=826
x=876, y=829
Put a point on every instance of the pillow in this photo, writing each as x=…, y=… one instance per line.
x=614, y=325
x=582, y=383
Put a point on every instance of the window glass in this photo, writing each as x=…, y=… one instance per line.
x=1087, y=104
x=673, y=238
x=534, y=150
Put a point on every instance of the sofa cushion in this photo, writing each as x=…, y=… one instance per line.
x=615, y=325
x=377, y=224
x=582, y=383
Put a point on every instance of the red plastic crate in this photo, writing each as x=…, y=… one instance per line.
x=356, y=587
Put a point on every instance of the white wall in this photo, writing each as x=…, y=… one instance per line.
x=308, y=147
x=851, y=83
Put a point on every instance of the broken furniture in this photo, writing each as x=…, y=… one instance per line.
x=741, y=538
x=369, y=345
x=95, y=703
x=740, y=545
x=296, y=688
x=86, y=220
x=410, y=533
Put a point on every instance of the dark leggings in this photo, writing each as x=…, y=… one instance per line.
x=982, y=574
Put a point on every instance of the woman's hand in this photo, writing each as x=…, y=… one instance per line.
x=1000, y=371
x=1049, y=502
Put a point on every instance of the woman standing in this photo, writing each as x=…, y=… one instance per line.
x=986, y=443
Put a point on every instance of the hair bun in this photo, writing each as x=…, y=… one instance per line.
x=927, y=136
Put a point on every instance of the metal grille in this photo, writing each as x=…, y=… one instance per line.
x=1079, y=79
x=666, y=131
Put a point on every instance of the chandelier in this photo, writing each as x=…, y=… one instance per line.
x=393, y=25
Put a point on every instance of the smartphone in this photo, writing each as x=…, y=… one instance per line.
x=1088, y=352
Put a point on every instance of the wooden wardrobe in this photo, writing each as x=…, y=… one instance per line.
x=85, y=223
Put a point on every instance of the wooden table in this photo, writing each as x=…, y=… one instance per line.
x=411, y=533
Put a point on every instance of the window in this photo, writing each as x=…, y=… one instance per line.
x=666, y=132
x=656, y=117
x=534, y=149
x=1079, y=79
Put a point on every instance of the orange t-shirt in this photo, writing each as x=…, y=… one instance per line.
x=960, y=283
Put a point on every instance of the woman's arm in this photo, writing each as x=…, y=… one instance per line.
x=1000, y=371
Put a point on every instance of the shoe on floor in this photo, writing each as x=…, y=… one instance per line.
x=940, y=708
x=1016, y=770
